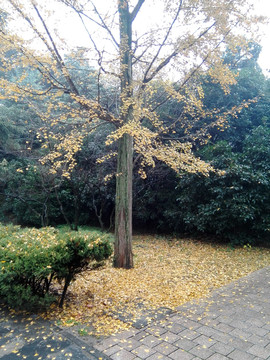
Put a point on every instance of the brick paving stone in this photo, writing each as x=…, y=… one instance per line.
x=257, y=330
x=184, y=344
x=217, y=357
x=181, y=355
x=165, y=348
x=224, y=328
x=259, y=340
x=150, y=341
x=222, y=349
x=189, y=334
x=224, y=319
x=205, y=330
x=129, y=344
x=106, y=344
x=112, y=350
x=240, y=344
x=201, y=352
x=169, y=337
x=156, y=330
x=240, y=324
x=205, y=341
x=241, y=334
x=140, y=335
x=176, y=318
x=123, y=355
x=221, y=337
x=209, y=322
x=158, y=356
x=256, y=322
x=143, y=351
x=259, y=351
x=187, y=323
x=175, y=328
x=240, y=355
x=127, y=334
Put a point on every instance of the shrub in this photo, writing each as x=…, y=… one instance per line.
x=74, y=254
x=31, y=259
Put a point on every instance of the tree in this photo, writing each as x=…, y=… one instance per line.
x=183, y=40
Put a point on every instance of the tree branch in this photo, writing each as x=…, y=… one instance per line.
x=162, y=45
x=96, y=48
x=60, y=61
x=136, y=10
x=193, y=72
x=104, y=25
x=172, y=55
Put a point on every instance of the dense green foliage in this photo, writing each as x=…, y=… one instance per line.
x=234, y=205
x=31, y=260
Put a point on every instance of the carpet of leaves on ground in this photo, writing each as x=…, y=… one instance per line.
x=167, y=273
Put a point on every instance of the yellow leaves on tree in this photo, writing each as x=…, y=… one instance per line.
x=197, y=51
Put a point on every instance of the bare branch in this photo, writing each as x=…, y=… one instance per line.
x=104, y=25
x=60, y=61
x=100, y=56
x=163, y=43
x=101, y=24
x=136, y=10
x=26, y=18
x=173, y=54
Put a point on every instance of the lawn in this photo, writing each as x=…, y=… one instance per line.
x=167, y=273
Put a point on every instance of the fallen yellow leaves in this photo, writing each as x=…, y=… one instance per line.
x=166, y=274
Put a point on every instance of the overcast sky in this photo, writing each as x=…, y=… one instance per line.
x=263, y=8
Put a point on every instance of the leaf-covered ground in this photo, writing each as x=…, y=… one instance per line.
x=167, y=273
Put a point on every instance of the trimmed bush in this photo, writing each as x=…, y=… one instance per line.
x=30, y=259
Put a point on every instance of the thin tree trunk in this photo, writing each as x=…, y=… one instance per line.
x=62, y=209
x=112, y=225
x=67, y=282
x=76, y=212
x=98, y=214
x=123, y=257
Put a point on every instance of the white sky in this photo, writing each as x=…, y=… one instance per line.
x=263, y=8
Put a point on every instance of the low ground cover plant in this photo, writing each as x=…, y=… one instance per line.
x=31, y=259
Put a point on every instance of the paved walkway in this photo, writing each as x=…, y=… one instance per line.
x=234, y=323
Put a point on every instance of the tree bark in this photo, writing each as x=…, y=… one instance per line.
x=123, y=257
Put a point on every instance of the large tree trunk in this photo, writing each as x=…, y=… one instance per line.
x=123, y=257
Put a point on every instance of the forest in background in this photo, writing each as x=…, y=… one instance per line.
x=233, y=204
